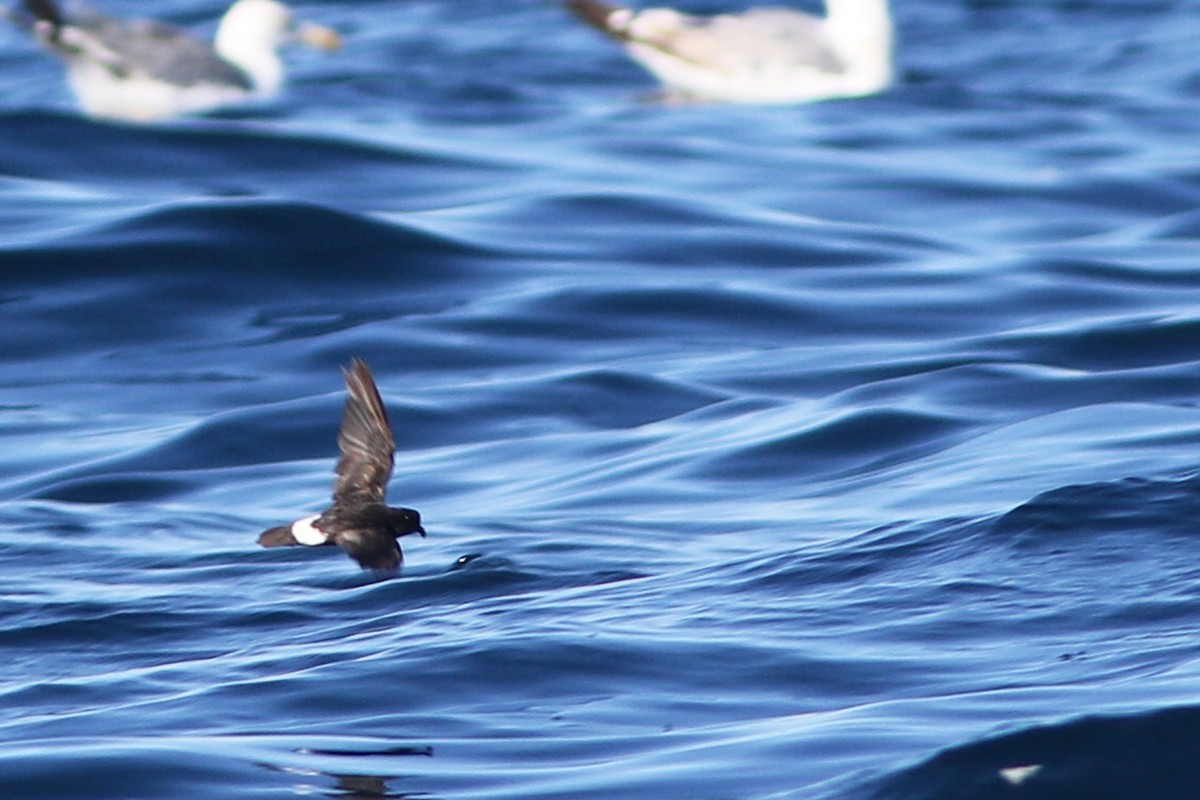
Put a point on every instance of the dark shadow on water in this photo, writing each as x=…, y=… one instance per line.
x=425, y=750
x=1122, y=506
x=1152, y=754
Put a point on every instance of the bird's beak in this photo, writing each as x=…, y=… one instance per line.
x=318, y=36
x=421, y=531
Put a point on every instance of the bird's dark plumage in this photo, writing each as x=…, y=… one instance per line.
x=359, y=521
x=366, y=441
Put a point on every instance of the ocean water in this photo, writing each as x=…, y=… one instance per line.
x=840, y=451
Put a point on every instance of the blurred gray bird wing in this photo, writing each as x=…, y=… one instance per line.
x=164, y=52
x=760, y=38
x=366, y=441
x=139, y=46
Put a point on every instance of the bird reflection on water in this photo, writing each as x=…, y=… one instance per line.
x=355, y=785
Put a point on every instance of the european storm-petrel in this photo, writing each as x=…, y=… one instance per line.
x=359, y=521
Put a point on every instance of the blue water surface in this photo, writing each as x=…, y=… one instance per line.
x=837, y=451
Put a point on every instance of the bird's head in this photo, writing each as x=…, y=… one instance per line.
x=406, y=521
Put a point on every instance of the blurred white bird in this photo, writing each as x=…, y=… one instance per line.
x=144, y=70
x=763, y=55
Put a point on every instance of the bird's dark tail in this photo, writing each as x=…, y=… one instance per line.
x=598, y=14
x=280, y=536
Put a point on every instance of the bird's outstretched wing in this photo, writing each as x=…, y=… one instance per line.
x=366, y=442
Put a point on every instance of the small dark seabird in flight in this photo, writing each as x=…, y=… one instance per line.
x=359, y=521
x=141, y=69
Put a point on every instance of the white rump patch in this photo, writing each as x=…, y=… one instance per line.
x=304, y=532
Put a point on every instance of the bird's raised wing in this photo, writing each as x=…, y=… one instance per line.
x=366, y=442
